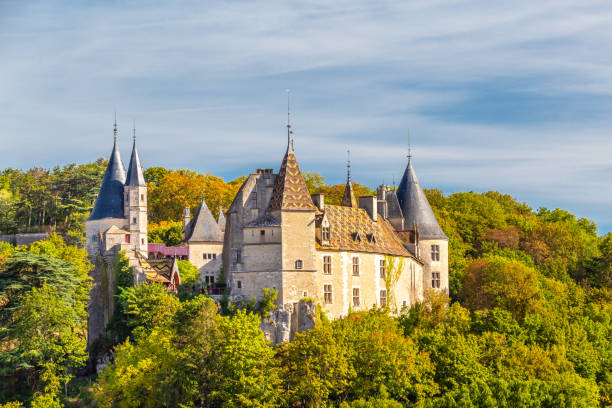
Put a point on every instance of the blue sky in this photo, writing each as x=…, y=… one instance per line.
x=512, y=96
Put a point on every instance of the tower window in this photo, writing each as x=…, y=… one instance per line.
x=356, y=297
x=327, y=294
x=262, y=232
x=383, y=298
x=327, y=265
x=142, y=241
x=325, y=234
x=435, y=252
x=383, y=268
x=239, y=284
x=127, y=239
x=142, y=197
x=298, y=264
x=435, y=280
x=355, y=266
x=134, y=220
x=238, y=256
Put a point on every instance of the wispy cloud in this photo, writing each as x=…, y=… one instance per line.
x=508, y=96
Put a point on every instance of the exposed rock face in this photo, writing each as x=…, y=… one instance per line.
x=286, y=320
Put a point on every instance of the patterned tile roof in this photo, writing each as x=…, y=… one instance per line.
x=290, y=191
x=158, y=270
x=349, y=200
x=375, y=237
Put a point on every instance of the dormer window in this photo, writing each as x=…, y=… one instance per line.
x=325, y=234
x=372, y=238
x=298, y=264
x=356, y=237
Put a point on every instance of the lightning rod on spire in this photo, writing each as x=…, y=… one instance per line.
x=289, y=131
x=409, y=147
x=134, y=136
x=115, y=127
x=348, y=165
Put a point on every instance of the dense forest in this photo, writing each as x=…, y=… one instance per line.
x=527, y=324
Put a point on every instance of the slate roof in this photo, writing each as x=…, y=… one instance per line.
x=290, y=191
x=348, y=199
x=416, y=208
x=393, y=207
x=134, y=173
x=345, y=222
x=221, y=219
x=203, y=226
x=109, y=203
x=266, y=220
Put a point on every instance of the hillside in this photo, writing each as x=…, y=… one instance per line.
x=528, y=322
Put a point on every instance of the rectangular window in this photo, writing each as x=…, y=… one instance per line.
x=134, y=220
x=298, y=264
x=325, y=234
x=142, y=241
x=209, y=280
x=383, y=268
x=356, y=297
x=262, y=232
x=214, y=256
x=327, y=265
x=327, y=294
x=383, y=298
x=239, y=284
x=435, y=280
x=355, y=266
x=254, y=199
x=238, y=256
x=435, y=252
x=142, y=197
x=127, y=239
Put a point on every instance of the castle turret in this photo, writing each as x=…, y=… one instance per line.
x=135, y=203
x=431, y=243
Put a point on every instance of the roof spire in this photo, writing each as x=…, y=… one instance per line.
x=348, y=165
x=135, y=177
x=289, y=131
x=409, y=147
x=134, y=136
x=115, y=127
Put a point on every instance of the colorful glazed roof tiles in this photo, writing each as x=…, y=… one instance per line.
x=349, y=200
x=290, y=191
x=346, y=223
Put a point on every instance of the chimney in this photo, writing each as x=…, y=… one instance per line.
x=370, y=204
x=319, y=201
x=186, y=219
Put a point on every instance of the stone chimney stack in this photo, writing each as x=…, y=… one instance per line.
x=319, y=201
x=186, y=219
x=370, y=204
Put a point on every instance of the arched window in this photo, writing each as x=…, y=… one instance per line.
x=298, y=264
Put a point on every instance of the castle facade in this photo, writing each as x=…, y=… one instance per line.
x=382, y=251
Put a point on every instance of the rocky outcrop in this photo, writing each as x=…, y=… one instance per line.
x=283, y=322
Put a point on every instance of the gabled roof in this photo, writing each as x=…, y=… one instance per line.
x=416, y=208
x=109, y=203
x=134, y=173
x=203, y=226
x=290, y=191
x=348, y=199
x=346, y=222
x=115, y=230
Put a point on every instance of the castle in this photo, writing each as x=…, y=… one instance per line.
x=383, y=250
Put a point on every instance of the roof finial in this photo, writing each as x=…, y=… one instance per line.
x=134, y=136
x=409, y=147
x=289, y=131
x=394, y=182
x=115, y=127
x=348, y=165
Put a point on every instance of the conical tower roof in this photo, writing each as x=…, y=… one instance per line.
x=203, y=226
x=109, y=203
x=290, y=191
x=416, y=208
x=221, y=219
x=134, y=174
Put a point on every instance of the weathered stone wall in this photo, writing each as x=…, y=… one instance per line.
x=198, y=255
x=430, y=266
x=24, y=239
